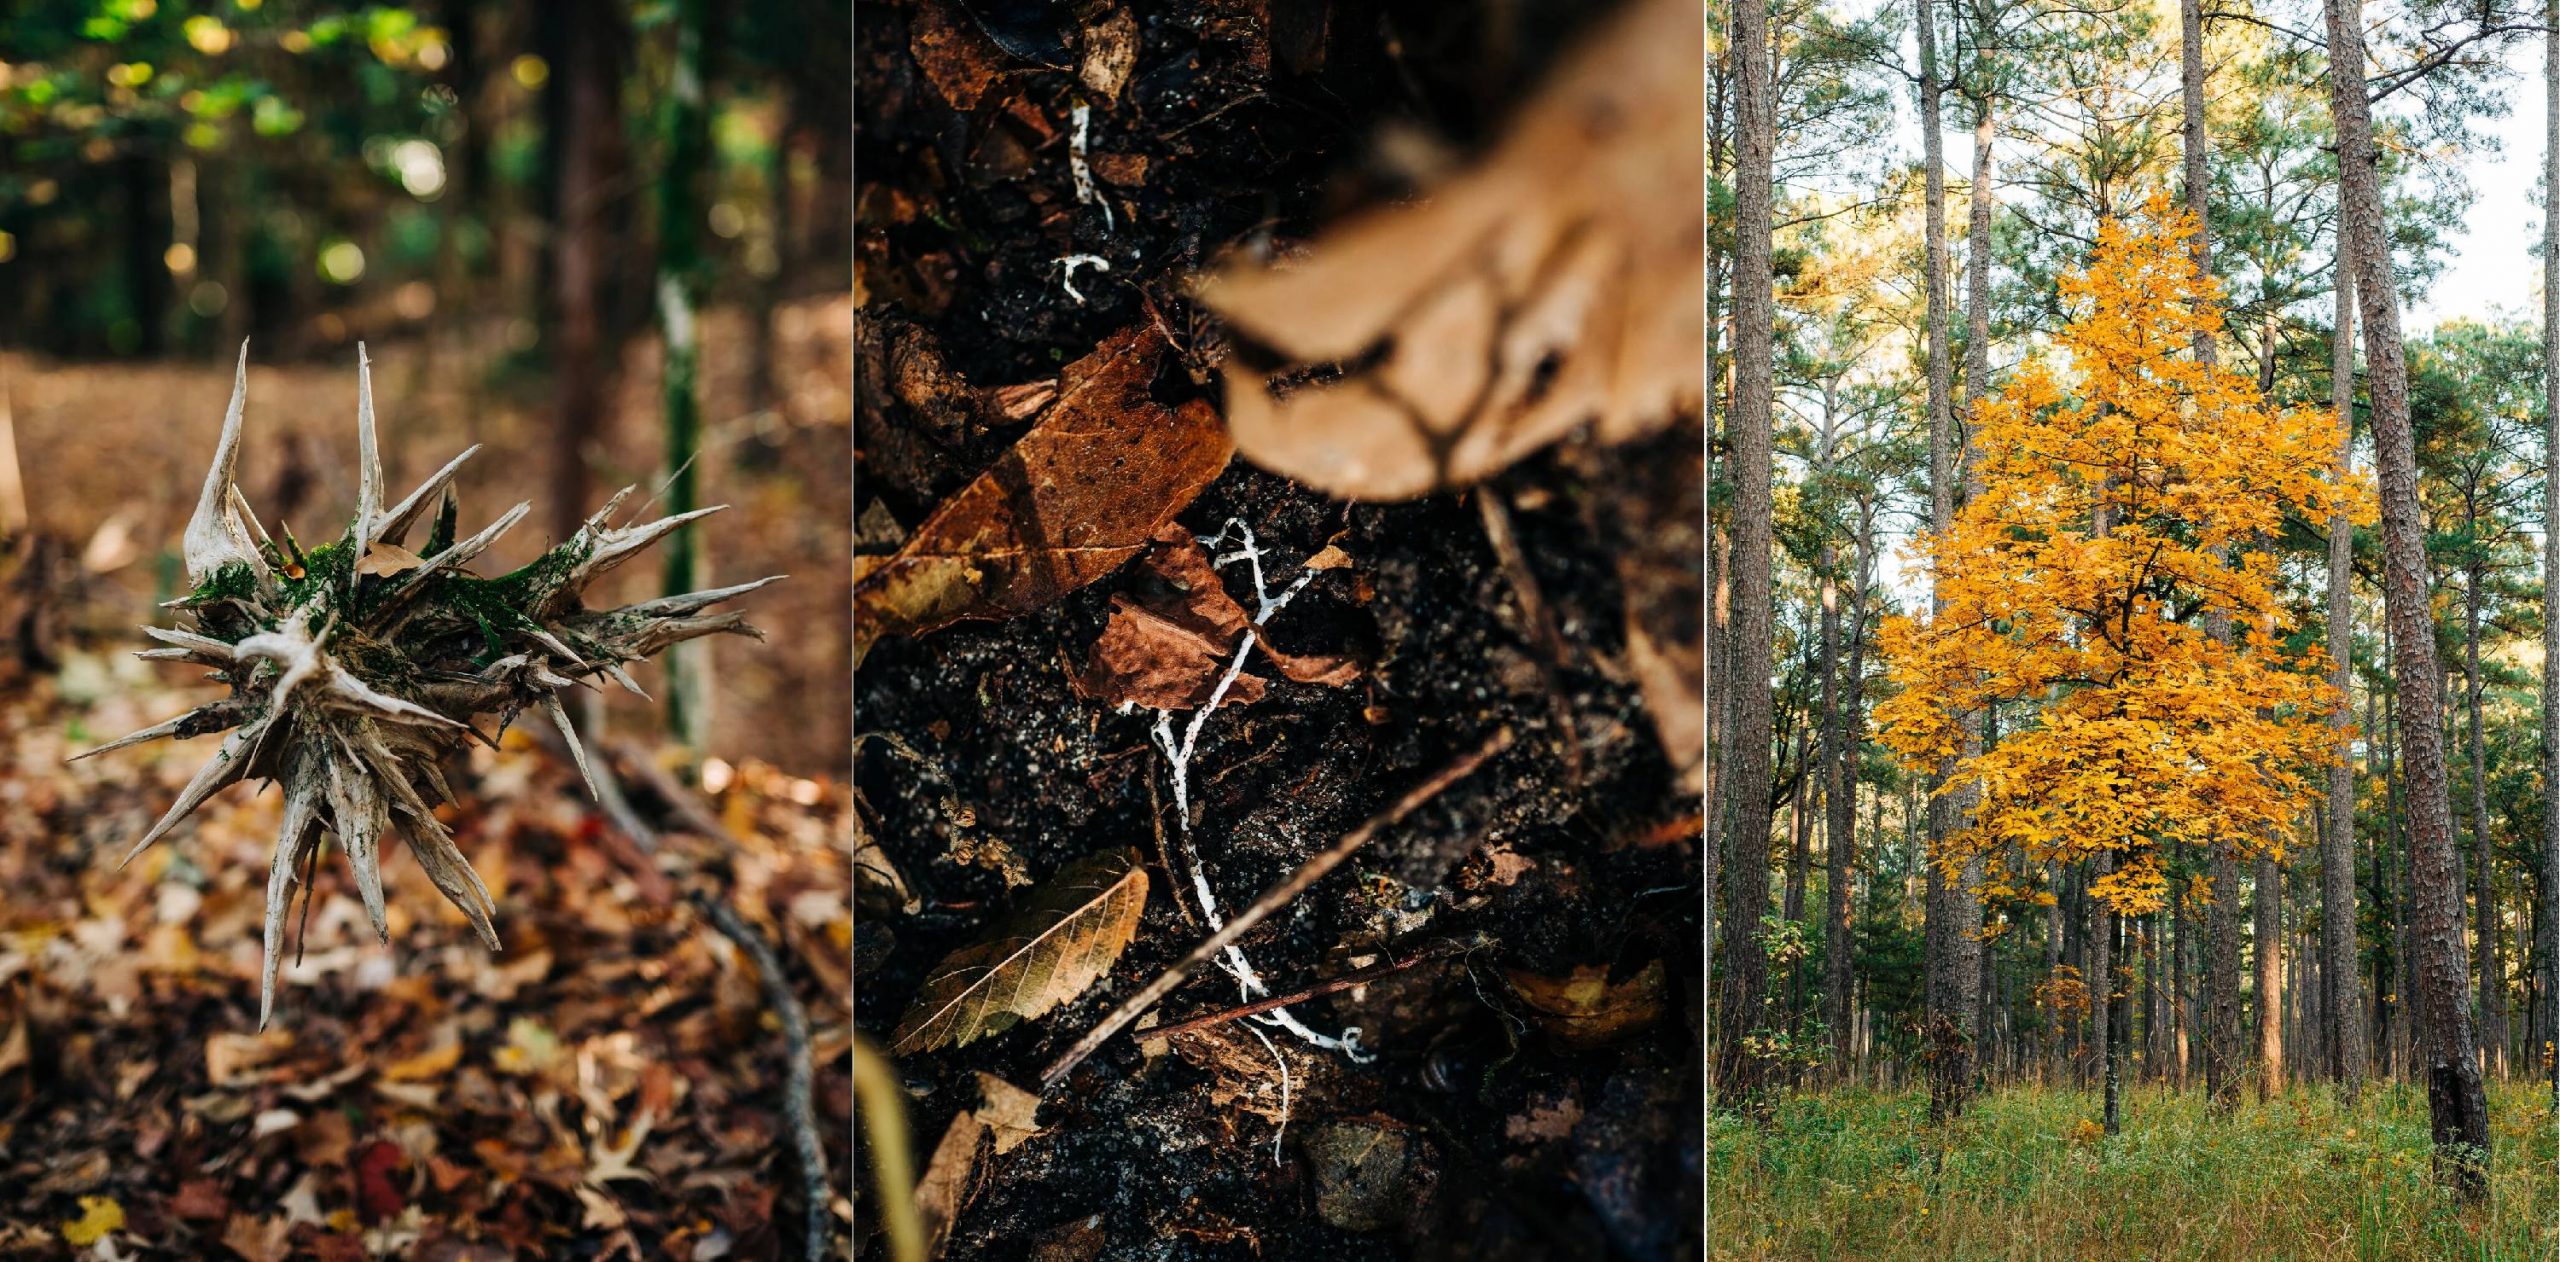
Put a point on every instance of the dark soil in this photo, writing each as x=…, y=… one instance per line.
x=1476, y=1132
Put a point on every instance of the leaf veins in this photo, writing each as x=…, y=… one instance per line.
x=1061, y=941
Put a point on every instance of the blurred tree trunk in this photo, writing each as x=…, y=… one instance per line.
x=685, y=144
x=580, y=40
x=764, y=373
x=146, y=242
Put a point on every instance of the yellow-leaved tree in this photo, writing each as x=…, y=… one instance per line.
x=2111, y=589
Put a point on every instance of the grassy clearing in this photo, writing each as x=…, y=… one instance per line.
x=1859, y=1174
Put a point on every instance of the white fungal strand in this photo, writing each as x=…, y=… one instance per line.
x=1178, y=755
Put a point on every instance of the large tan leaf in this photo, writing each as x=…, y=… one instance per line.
x=1061, y=941
x=1556, y=284
x=1077, y=496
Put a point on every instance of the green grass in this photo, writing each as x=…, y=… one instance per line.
x=1855, y=1173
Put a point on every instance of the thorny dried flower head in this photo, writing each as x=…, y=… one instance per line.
x=357, y=667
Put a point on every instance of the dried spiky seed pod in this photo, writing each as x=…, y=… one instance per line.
x=357, y=667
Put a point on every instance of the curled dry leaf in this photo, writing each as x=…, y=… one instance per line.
x=1555, y=285
x=1079, y=495
x=1061, y=941
x=1584, y=1009
x=1167, y=644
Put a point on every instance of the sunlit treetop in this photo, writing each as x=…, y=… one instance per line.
x=2111, y=591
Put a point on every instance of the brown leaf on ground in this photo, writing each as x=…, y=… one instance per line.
x=1168, y=643
x=959, y=61
x=944, y=1189
x=1555, y=285
x=1079, y=495
x=1584, y=1009
x=1061, y=941
x=1008, y=1111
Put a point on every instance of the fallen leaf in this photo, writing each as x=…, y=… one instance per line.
x=200, y=1200
x=232, y=1060
x=1555, y=285
x=1584, y=1009
x=1057, y=944
x=385, y=559
x=1110, y=52
x=1104, y=468
x=945, y=1185
x=435, y=1062
x=1371, y=1173
x=259, y=1239
x=99, y=1215
x=1544, y=1121
x=957, y=60
x=1166, y=646
x=378, y=1194
x=1076, y=1240
x=1008, y=1111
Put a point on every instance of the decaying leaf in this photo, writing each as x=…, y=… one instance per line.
x=1584, y=1009
x=945, y=1185
x=1168, y=643
x=1008, y=1111
x=1081, y=493
x=1242, y=1075
x=959, y=61
x=1061, y=941
x=1555, y=285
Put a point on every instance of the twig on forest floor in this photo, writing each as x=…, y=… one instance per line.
x=799, y=1111
x=1359, y=977
x=1551, y=655
x=1273, y=899
x=797, y=1106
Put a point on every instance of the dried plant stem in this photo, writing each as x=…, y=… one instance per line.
x=797, y=1108
x=1273, y=899
x=884, y=1118
x=1360, y=977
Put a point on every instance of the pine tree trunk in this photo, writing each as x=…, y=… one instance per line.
x=2198, y=185
x=2222, y=1056
x=1950, y=967
x=1747, y=885
x=2484, y=895
x=2338, y=825
x=1719, y=570
x=2456, y=1102
x=2548, y=920
x=2101, y=979
x=1841, y=842
x=2053, y=1020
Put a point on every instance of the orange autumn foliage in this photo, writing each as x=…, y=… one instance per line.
x=2126, y=723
